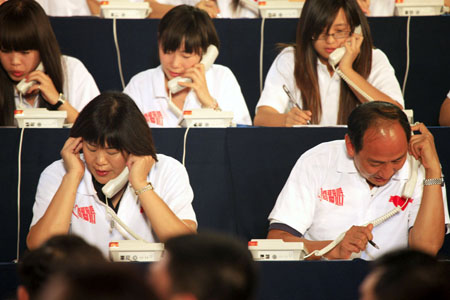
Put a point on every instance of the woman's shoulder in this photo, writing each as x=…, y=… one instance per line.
x=167, y=160
x=220, y=70
x=378, y=55
x=56, y=168
x=146, y=75
x=72, y=64
x=287, y=55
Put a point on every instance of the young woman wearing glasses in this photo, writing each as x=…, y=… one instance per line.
x=301, y=86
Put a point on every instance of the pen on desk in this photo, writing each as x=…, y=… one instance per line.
x=288, y=93
x=373, y=244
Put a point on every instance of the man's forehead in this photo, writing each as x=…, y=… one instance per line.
x=391, y=132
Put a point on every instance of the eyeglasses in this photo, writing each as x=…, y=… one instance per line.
x=337, y=35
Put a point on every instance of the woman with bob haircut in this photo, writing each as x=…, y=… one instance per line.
x=184, y=34
x=320, y=94
x=109, y=135
x=26, y=39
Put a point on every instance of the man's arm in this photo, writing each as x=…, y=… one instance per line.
x=429, y=228
x=355, y=240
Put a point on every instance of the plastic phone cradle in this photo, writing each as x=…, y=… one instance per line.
x=276, y=249
x=135, y=250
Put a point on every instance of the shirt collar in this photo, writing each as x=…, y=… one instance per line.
x=345, y=163
x=158, y=83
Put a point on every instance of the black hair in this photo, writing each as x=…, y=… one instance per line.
x=57, y=252
x=100, y=281
x=372, y=114
x=25, y=26
x=188, y=24
x=113, y=120
x=410, y=274
x=211, y=266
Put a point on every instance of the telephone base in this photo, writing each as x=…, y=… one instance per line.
x=125, y=10
x=419, y=8
x=275, y=8
x=207, y=117
x=276, y=249
x=135, y=250
x=40, y=118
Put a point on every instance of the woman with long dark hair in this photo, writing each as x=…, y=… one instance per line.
x=318, y=94
x=27, y=41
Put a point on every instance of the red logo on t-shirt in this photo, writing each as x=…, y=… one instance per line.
x=154, y=117
x=400, y=201
x=86, y=213
x=335, y=196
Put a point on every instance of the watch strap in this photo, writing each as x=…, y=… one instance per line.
x=61, y=101
x=148, y=187
x=434, y=181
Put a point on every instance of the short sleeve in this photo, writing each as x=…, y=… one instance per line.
x=382, y=77
x=296, y=203
x=280, y=73
x=229, y=95
x=172, y=185
x=48, y=184
x=80, y=86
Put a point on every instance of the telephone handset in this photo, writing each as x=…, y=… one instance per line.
x=407, y=193
x=23, y=86
x=334, y=59
x=208, y=59
x=336, y=56
x=116, y=184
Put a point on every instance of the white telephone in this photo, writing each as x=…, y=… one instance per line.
x=23, y=85
x=116, y=184
x=208, y=59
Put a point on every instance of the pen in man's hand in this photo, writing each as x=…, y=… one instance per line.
x=288, y=93
x=373, y=244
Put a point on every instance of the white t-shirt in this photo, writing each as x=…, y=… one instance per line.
x=325, y=195
x=382, y=8
x=382, y=77
x=65, y=8
x=148, y=91
x=79, y=85
x=89, y=218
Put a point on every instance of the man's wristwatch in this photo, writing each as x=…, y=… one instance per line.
x=61, y=101
x=434, y=181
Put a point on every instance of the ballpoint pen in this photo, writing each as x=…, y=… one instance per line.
x=373, y=244
x=288, y=93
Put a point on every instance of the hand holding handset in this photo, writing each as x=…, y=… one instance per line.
x=23, y=86
x=334, y=59
x=336, y=56
x=116, y=184
x=208, y=59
